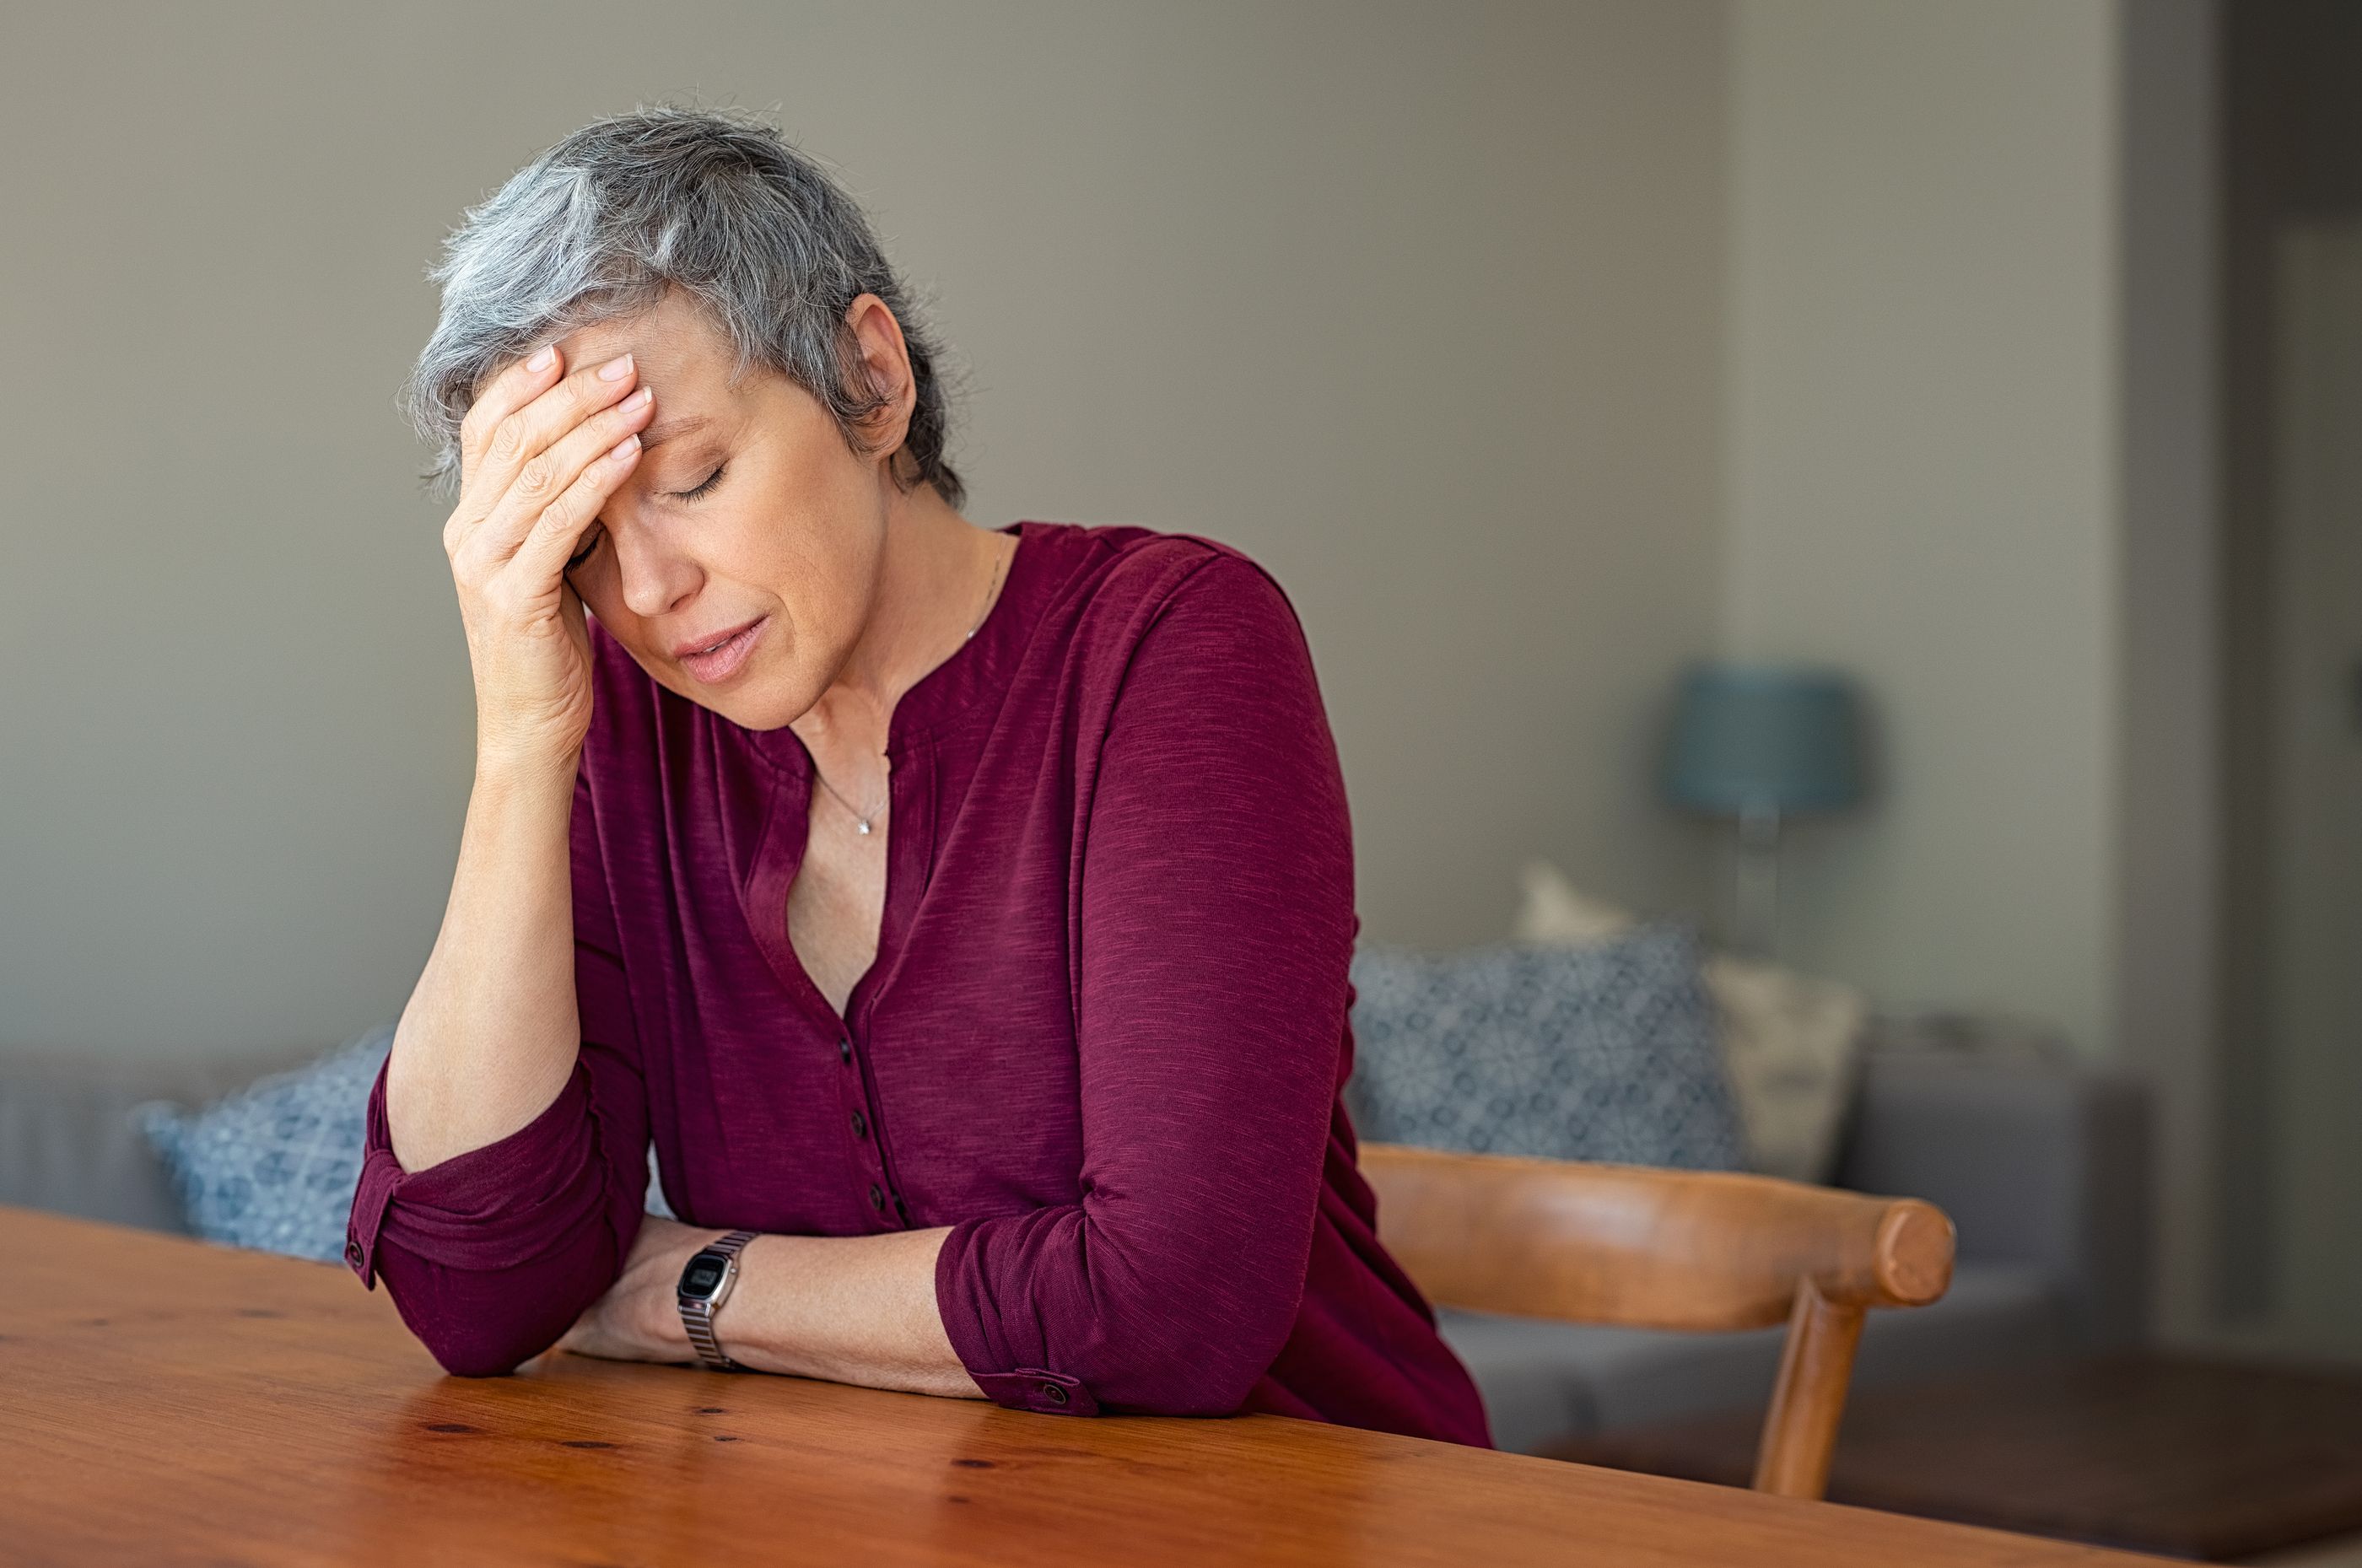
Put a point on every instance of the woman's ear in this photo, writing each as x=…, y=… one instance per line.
x=884, y=364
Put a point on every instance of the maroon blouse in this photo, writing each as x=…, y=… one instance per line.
x=1103, y=1038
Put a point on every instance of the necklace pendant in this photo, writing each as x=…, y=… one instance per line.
x=865, y=827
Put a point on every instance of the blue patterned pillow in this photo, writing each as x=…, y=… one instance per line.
x=1598, y=1053
x=273, y=1166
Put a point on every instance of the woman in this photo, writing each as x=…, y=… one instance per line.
x=964, y=913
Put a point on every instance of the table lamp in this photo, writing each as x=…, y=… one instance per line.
x=1759, y=744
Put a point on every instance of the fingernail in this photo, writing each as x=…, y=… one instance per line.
x=638, y=401
x=616, y=369
x=624, y=448
x=545, y=357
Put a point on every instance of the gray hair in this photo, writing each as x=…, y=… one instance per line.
x=714, y=204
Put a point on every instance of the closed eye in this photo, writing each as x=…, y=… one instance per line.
x=704, y=487
x=582, y=551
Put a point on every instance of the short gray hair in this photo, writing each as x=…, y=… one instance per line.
x=714, y=204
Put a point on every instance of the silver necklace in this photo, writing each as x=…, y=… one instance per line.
x=863, y=820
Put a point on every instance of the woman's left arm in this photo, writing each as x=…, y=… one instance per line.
x=848, y=1309
x=1213, y=950
x=1217, y=930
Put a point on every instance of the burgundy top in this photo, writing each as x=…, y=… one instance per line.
x=1103, y=1038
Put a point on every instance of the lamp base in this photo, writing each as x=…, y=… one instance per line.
x=1755, y=902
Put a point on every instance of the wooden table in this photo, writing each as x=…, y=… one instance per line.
x=2215, y=1459
x=163, y=1402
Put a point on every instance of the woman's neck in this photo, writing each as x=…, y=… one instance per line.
x=937, y=576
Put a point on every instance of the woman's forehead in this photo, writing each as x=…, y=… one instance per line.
x=685, y=359
x=675, y=346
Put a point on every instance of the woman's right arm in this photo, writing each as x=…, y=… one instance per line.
x=490, y=1031
x=489, y=1126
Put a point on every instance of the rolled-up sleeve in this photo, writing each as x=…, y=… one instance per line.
x=491, y=1256
x=1213, y=941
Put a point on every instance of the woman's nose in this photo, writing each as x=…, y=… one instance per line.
x=655, y=578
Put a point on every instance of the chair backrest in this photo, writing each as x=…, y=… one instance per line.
x=1661, y=1248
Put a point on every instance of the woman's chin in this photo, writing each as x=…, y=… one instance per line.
x=748, y=706
x=765, y=697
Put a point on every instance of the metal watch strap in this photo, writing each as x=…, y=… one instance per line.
x=697, y=1316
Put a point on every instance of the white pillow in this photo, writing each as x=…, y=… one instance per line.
x=1791, y=1043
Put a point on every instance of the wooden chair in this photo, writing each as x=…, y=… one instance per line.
x=1660, y=1249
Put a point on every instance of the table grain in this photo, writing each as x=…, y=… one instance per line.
x=166, y=1401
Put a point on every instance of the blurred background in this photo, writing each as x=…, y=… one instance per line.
x=1998, y=361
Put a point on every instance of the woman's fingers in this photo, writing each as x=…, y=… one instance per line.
x=513, y=447
x=522, y=436
x=554, y=473
x=508, y=392
x=543, y=555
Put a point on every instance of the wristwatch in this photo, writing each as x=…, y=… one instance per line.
x=705, y=1282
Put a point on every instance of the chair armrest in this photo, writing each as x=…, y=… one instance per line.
x=2036, y=1163
x=1650, y=1247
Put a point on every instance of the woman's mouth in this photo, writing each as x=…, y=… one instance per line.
x=717, y=659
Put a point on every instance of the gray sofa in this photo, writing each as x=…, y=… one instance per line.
x=2042, y=1166
x=66, y=1140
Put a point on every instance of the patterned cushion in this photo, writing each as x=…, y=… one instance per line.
x=1792, y=1044
x=1598, y=1053
x=273, y=1166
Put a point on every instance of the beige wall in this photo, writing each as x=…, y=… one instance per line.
x=1419, y=304
x=1971, y=458
x=1921, y=483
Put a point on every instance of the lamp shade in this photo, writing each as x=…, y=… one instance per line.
x=1753, y=738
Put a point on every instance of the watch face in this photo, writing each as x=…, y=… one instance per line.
x=703, y=1275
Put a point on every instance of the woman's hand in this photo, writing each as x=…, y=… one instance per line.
x=539, y=455
x=639, y=1318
